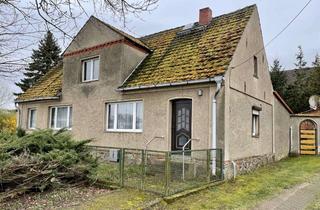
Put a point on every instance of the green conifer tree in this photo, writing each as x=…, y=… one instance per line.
x=278, y=77
x=298, y=93
x=43, y=59
x=314, y=79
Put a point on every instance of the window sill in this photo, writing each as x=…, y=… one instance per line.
x=56, y=129
x=122, y=131
x=89, y=81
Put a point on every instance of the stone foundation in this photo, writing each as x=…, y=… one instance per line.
x=246, y=165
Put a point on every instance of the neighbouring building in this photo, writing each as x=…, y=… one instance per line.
x=207, y=80
x=304, y=132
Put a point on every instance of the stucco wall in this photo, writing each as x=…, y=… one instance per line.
x=89, y=119
x=281, y=130
x=97, y=32
x=243, y=91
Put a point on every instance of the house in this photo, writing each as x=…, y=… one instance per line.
x=208, y=80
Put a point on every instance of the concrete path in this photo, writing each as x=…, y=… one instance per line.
x=295, y=198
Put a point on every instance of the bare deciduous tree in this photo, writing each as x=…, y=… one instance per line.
x=22, y=23
x=6, y=96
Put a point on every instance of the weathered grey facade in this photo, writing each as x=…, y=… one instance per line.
x=220, y=117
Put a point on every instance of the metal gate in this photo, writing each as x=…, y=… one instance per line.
x=308, y=138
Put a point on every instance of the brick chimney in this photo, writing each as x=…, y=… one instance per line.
x=205, y=16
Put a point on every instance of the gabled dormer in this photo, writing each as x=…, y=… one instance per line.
x=100, y=56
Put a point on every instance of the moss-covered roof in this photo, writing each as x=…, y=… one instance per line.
x=48, y=86
x=191, y=54
x=178, y=55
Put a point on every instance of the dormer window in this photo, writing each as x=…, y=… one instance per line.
x=90, y=69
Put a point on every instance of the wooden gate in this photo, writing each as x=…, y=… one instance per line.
x=308, y=138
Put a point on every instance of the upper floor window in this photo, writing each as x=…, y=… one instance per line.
x=32, y=118
x=90, y=69
x=255, y=66
x=61, y=117
x=125, y=116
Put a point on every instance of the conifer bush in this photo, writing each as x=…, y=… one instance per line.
x=43, y=160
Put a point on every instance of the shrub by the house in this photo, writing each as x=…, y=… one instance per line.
x=42, y=160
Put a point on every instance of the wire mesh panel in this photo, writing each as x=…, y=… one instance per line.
x=161, y=172
x=155, y=171
x=108, y=170
x=133, y=168
x=189, y=169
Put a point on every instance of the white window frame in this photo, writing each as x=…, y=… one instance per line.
x=134, y=117
x=255, y=124
x=56, y=115
x=92, y=66
x=29, y=118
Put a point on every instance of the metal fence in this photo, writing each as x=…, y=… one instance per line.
x=162, y=172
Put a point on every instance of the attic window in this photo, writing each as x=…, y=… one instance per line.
x=90, y=69
x=255, y=66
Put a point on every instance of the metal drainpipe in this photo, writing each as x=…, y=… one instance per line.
x=19, y=115
x=218, y=80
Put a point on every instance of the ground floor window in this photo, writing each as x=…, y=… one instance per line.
x=61, y=117
x=125, y=116
x=255, y=123
x=32, y=118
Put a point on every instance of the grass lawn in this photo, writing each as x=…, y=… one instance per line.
x=250, y=189
x=119, y=199
x=65, y=198
x=315, y=205
x=243, y=193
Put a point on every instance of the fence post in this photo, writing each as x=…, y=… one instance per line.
x=143, y=167
x=122, y=156
x=221, y=164
x=167, y=173
x=208, y=165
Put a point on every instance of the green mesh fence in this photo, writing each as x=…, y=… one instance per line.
x=162, y=172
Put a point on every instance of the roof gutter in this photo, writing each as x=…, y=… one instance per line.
x=171, y=84
x=38, y=99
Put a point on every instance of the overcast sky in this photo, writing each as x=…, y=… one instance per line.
x=274, y=16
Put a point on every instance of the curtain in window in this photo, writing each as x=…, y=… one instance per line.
x=32, y=118
x=111, y=119
x=53, y=111
x=95, y=69
x=125, y=116
x=87, y=70
x=139, y=115
x=62, y=117
x=70, y=117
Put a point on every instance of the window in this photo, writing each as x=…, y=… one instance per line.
x=32, y=118
x=61, y=117
x=90, y=69
x=255, y=123
x=125, y=116
x=255, y=66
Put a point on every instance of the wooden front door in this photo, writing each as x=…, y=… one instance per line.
x=181, y=123
x=308, y=142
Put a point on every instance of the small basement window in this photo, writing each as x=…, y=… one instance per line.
x=32, y=118
x=125, y=116
x=255, y=122
x=90, y=69
x=255, y=66
x=61, y=117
